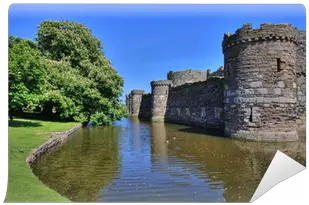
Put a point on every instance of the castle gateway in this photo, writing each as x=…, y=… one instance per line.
x=259, y=94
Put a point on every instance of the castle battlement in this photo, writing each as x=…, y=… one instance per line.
x=266, y=32
x=147, y=94
x=161, y=83
x=259, y=93
x=137, y=92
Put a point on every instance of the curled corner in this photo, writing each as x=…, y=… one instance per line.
x=280, y=168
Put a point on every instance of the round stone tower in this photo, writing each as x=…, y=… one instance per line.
x=159, y=93
x=259, y=88
x=188, y=76
x=136, y=99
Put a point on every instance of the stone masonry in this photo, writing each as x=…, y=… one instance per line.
x=259, y=94
x=188, y=76
x=135, y=99
x=160, y=90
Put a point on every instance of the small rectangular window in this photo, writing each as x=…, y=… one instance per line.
x=166, y=92
x=278, y=65
x=251, y=114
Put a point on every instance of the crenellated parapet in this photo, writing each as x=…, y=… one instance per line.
x=266, y=32
x=160, y=83
x=137, y=92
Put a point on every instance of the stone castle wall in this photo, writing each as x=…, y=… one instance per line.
x=260, y=82
x=55, y=141
x=259, y=94
x=301, y=72
x=135, y=102
x=160, y=92
x=188, y=76
x=145, y=106
x=218, y=73
x=199, y=103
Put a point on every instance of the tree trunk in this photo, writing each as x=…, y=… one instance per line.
x=47, y=111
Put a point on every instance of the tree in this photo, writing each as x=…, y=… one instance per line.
x=83, y=76
x=26, y=74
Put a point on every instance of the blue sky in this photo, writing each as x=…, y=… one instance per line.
x=144, y=42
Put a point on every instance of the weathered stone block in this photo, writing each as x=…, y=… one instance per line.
x=247, y=111
x=187, y=111
x=262, y=91
x=260, y=99
x=281, y=84
x=256, y=84
x=277, y=91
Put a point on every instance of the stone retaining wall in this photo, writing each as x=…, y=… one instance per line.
x=54, y=141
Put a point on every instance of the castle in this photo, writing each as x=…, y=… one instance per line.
x=259, y=94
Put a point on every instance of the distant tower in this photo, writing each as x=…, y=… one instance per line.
x=208, y=72
x=260, y=88
x=179, y=78
x=136, y=99
x=128, y=102
x=159, y=93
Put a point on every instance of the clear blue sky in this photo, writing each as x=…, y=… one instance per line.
x=144, y=42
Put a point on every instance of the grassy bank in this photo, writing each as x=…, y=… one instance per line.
x=23, y=185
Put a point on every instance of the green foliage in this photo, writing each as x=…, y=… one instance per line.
x=26, y=74
x=77, y=80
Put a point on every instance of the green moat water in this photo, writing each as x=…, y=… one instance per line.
x=135, y=160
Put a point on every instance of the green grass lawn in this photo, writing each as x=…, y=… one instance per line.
x=23, y=185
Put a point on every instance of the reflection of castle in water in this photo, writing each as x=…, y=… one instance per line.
x=159, y=150
x=240, y=165
x=136, y=139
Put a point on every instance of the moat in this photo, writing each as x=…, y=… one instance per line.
x=136, y=160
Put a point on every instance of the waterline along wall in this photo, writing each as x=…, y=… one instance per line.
x=259, y=93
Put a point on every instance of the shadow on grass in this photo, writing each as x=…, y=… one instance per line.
x=38, y=116
x=19, y=123
x=203, y=130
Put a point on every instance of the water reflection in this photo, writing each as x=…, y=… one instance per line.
x=159, y=142
x=137, y=144
x=154, y=162
x=84, y=164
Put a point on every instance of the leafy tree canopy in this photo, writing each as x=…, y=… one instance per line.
x=72, y=74
x=26, y=74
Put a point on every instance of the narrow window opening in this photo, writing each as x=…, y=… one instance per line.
x=278, y=65
x=166, y=92
x=251, y=115
x=228, y=70
x=227, y=73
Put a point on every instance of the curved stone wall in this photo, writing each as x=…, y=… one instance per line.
x=54, y=141
x=260, y=82
x=188, y=76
